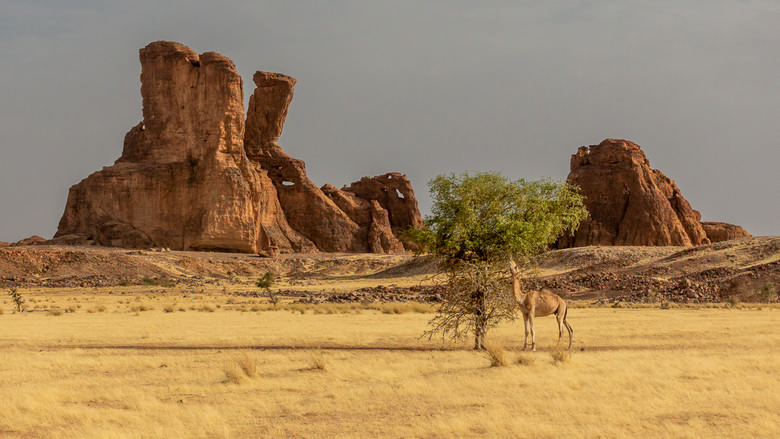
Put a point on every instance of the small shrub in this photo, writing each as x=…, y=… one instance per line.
x=732, y=301
x=266, y=281
x=318, y=361
x=54, y=311
x=140, y=308
x=496, y=356
x=124, y=283
x=233, y=374
x=206, y=308
x=768, y=292
x=16, y=296
x=652, y=295
x=669, y=305
x=169, y=308
x=248, y=365
x=525, y=360
x=560, y=355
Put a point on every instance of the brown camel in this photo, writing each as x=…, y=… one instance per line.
x=538, y=304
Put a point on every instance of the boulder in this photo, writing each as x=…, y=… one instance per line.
x=717, y=231
x=32, y=240
x=629, y=202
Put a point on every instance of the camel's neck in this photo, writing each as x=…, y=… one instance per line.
x=516, y=290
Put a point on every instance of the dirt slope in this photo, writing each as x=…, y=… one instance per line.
x=745, y=269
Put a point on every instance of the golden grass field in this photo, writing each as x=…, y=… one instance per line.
x=140, y=364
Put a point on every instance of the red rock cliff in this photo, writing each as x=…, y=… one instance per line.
x=629, y=202
x=191, y=177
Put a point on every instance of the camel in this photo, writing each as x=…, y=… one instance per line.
x=538, y=304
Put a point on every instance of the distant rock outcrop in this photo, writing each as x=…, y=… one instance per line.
x=191, y=177
x=32, y=240
x=629, y=202
x=717, y=232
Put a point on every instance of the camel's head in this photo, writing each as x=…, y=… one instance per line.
x=513, y=268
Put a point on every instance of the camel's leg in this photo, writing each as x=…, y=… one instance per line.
x=525, y=324
x=559, y=318
x=533, y=333
x=568, y=326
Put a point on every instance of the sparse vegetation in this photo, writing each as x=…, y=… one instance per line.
x=768, y=292
x=496, y=355
x=560, y=355
x=318, y=360
x=525, y=360
x=248, y=364
x=17, y=298
x=266, y=281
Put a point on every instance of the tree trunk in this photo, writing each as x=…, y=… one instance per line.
x=480, y=321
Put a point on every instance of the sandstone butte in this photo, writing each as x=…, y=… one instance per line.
x=196, y=174
x=633, y=204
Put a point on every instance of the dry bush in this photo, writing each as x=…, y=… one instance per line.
x=16, y=296
x=525, y=360
x=233, y=374
x=169, y=308
x=248, y=365
x=140, y=308
x=54, y=311
x=496, y=355
x=669, y=305
x=317, y=361
x=560, y=355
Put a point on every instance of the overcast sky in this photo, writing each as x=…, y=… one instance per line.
x=420, y=87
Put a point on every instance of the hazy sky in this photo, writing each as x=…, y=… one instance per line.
x=420, y=87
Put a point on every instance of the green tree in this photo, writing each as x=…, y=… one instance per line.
x=478, y=221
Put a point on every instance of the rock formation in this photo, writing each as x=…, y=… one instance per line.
x=629, y=202
x=32, y=240
x=717, y=232
x=191, y=177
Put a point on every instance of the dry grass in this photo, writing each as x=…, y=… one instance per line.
x=648, y=372
x=560, y=355
x=317, y=360
x=496, y=355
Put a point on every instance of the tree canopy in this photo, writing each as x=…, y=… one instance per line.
x=484, y=216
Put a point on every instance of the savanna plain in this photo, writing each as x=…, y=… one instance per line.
x=139, y=361
x=353, y=371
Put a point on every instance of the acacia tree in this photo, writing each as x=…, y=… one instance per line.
x=477, y=222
